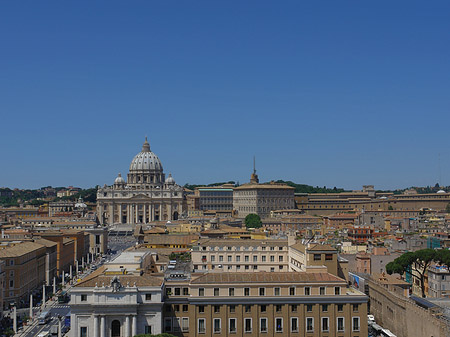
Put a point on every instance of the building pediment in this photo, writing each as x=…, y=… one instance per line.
x=140, y=196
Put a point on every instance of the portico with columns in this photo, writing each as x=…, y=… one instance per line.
x=147, y=196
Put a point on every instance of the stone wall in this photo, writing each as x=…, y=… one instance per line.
x=402, y=316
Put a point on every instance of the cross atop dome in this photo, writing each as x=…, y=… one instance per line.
x=146, y=146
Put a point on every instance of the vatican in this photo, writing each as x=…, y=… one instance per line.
x=146, y=196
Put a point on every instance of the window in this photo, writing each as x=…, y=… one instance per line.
x=83, y=297
x=309, y=324
x=294, y=307
x=263, y=324
x=238, y=258
x=11, y=283
x=272, y=248
x=262, y=291
x=201, y=291
x=216, y=325
x=325, y=324
x=337, y=290
x=272, y=269
x=216, y=291
x=176, y=308
x=220, y=258
x=246, y=258
x=177, y=291
x=217, y=309
x=83, y=331
x=279, y=324
x=272, y=258
x=263, y=258
x=167, y=324
x=324, y=307
x=201, y=308
x=185, y=308
x=355, y=307
x=291, y=291
x=232, y=325
x=309, y=307
x=148, y=297
x=148, y=329
x=307, y=291
x=355, y=324
x=276, y=291
x=294, y=324
x=246, y=291
x=168, y=291
x=322, y=290
x=229, y=257
x=255, y=258
x=328, y=257
x=247, y=267
x=255, y=267
x=280, y=258
x=317, y=257
x=340, y=307
x=185, y=291
x=232, y=308
x=201, y=325
x=230, y=291
x=340, y=324
x=248, y=325
x=263, y=308
x=278, y=308
x=238, y=267
x=248, y=308
x=184, y=324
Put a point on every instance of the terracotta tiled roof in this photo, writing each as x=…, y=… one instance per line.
x=263, y=277
x=166, y=239
x=99, y=278
x=19, y=249
x=242, y=243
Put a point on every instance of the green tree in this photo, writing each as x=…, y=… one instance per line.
x=419, y=260
x=253, y=221
x=390, y=208
x=158, y=335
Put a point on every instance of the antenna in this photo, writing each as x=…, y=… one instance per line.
x=254, y=165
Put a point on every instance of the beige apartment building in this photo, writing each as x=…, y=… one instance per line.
x=25, y=269
x=265, y=304
x=235, y=255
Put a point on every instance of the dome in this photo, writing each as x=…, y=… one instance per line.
x=441, y=191
x=80, y=203
x=146, y=160
x=170, y=179
x=119, y=180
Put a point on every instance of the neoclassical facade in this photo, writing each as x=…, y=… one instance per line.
x=146, y=195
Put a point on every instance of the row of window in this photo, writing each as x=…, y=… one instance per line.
x=238, y=248
x=238, y=267
x=246, y=258
x=276, y=291
x=263, y=308
x=176, y=324
x=278, y=326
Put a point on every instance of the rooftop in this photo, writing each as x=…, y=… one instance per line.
x=263, y=277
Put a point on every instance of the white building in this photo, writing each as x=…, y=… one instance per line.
x=146, y=196
x=110, y=305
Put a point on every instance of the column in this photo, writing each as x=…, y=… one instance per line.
x=74, y=325
x=31, y=306
x=43, y=296
x=111, y=214
x=151, y=213
x=144, y=220
x=136, y=210
x=160, y=212
x=128, y=213
x=170, y=211
x=102, y=327
x=134, y=326
x=120, y=213
x=95, y=325
x=127, y=326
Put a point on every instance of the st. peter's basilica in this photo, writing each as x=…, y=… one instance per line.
x=146, y=195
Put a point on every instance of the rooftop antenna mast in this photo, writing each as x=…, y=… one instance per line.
x=254, y=165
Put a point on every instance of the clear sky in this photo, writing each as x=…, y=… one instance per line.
x=335, y=93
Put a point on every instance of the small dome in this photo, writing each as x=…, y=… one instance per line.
x=119, y=180
x=170, y=180
x=441, y=191
x=146, y=160
x=80, y=203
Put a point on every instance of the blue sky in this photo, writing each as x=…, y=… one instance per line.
x=335, y=93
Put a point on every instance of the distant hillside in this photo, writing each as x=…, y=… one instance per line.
x=299, y=188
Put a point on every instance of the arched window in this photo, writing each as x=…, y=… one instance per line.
x=115, y=328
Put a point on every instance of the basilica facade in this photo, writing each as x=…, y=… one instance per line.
x=146, y=196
